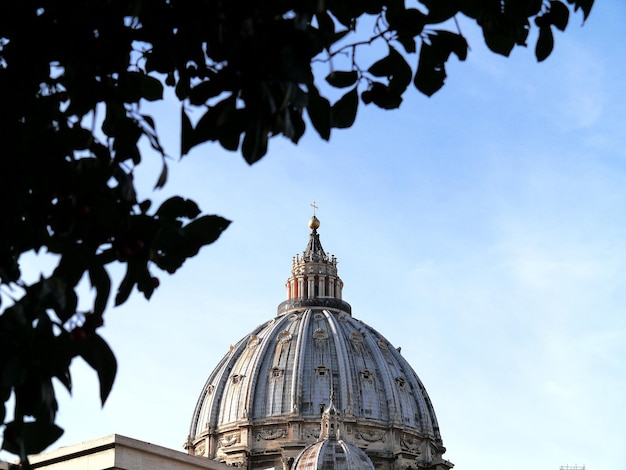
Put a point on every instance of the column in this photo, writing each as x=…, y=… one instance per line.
x=300, y=287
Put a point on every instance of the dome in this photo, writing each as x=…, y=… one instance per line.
x=261, y=406
x=332, y=455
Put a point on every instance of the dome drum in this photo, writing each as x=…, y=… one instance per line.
x=274, y=383
x=288, y=306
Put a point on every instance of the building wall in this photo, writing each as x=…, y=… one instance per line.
x=117, y=452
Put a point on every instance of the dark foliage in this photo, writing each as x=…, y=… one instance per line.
x=73, y=74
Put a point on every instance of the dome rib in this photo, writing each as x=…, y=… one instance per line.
x=383, y=369
x=261, y=384
x=343, y=357
x=424, y=408
x=299, y=362
x=214, y=387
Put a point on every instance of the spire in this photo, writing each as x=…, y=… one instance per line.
x=314, y=280
x=314, y=250
x=330, y=422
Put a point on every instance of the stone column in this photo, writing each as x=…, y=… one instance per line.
x=300, y=287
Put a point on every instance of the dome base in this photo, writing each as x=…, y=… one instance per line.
x=319, y=302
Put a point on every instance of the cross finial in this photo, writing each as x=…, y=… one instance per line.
x=314, y=206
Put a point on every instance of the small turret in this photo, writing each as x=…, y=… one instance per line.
x=330, y=422
x=331, y=451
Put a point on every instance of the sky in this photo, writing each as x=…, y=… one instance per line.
x=482, y=230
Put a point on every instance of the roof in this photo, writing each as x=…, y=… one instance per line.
x=122, y=453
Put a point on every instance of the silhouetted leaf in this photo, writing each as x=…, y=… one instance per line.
x=431, y=69
x=344, y=110
x=439, y=11
x=408, y=42
x=559, y=14
x=162, y=177
x=585, y=5
x=205, y=90
x=151, y=88
x=534, y=7
x=177, y=207
x=97, y=353
x=187, y=141
x=126, y=286
x=254, y=145
x=324, y=22
x=206, y=229
x=394, y=67
x=29, y=438
x=545, y=43
x=500, y=34
x=101, y=282
x=409, y=23
x=318, y=109
x=341, y=79
x=81, y=138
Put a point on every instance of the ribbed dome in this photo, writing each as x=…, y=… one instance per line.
x=262, y=404
x=332, y=455
x=290, y=365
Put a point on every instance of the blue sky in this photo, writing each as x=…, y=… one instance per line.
x=483, y=230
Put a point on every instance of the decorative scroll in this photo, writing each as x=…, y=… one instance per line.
x=356, y=341
x=199, y=449
x=228, y=441
x=312, y=433
x=356, y=338
x=370, y=436
x=253, y=342
x=321, y=337
x=284, y=337
x=271, y=434
x=318, y=316
x=408, y=442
